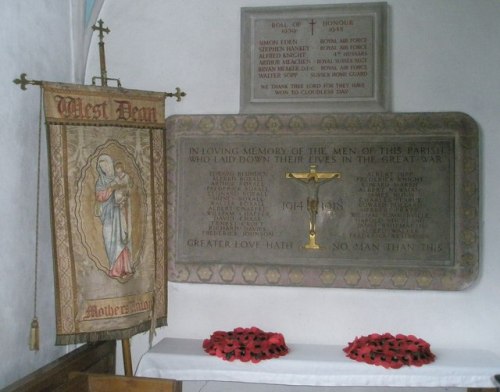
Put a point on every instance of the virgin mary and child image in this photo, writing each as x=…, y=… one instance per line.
x=112, y=192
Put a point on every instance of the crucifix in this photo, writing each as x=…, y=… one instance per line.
x=313, y=180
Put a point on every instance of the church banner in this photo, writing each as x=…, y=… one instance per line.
x=107, y=165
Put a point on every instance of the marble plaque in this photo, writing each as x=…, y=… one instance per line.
x=338, y=200
x=314, y=59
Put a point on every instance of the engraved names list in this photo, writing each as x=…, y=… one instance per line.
x=314, y=58
x=393, y=201
x=331, y=57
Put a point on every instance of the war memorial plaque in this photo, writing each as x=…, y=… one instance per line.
x=314, y=59
x=337, y=200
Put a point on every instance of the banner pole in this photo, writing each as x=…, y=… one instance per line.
x=127, y=357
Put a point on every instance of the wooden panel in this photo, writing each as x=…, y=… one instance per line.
x=98, y=357
x=86, y=382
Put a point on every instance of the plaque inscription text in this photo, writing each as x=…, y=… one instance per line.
x=319, y=57
x=394, y=200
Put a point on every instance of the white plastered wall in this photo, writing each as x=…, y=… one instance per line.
x=35, y=38
x=445, y=57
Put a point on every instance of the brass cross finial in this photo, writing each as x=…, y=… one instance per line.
x=178, y=94
x=101, y=29
x=22, y=81
x=102, y=57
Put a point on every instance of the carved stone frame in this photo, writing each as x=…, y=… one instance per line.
x=459, y=128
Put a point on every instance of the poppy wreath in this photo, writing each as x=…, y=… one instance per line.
x=246, y=345
x=390, y=351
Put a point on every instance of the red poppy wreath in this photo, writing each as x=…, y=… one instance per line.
x=246, y=345
x=390, y=351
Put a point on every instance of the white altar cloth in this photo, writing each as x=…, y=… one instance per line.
x=317, y=365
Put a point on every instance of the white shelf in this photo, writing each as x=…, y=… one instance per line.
x=317, y=365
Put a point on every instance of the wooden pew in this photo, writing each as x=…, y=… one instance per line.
x=89, y=368
x=95, y=358
x=86, y=382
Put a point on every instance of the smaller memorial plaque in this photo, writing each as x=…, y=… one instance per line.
x=314, y=59
x=348, y=200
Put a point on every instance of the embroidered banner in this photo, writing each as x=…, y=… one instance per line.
x=106, y=157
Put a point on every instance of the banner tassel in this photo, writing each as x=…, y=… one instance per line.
x=34, y=335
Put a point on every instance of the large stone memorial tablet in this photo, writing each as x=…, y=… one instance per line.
x=314, y=58
x=337, y=200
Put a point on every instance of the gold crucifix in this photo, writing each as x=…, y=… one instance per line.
x=313, y=180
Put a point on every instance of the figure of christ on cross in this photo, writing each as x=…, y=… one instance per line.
x=313, y=180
